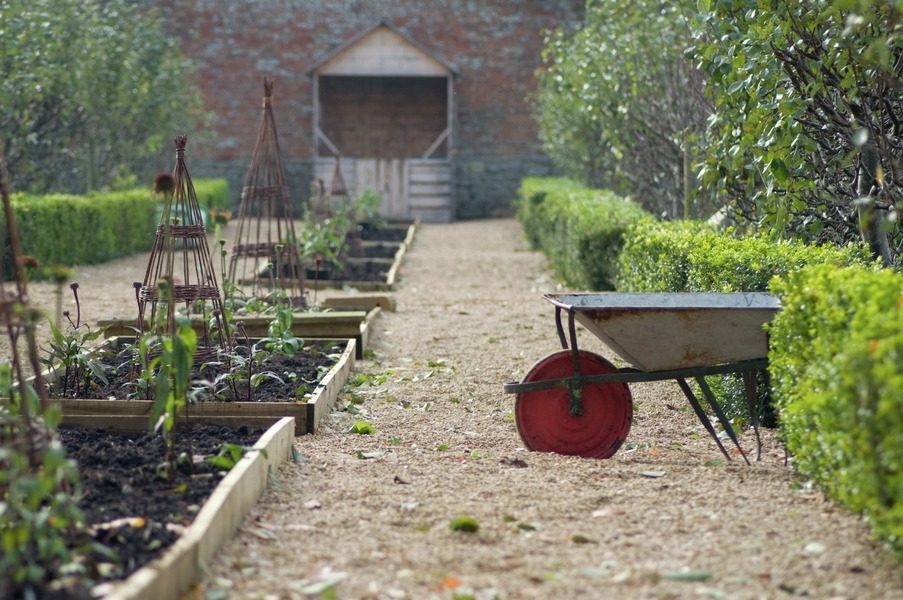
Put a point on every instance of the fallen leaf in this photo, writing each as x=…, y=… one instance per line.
x=582, y=539
x=814, y=549
x=652, y=474
x=450, y=583
x=688, y=575
x=263, y=534
x=363, y=455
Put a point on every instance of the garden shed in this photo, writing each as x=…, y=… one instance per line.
x=384, y=104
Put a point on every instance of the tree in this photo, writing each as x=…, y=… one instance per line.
x=620, y=106
x=89, y=91
x=806, y=133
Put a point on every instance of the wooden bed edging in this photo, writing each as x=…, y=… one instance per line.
x=173, y=573
x=132, y=415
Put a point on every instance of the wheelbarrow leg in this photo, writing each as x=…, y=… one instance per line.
x=722, y=418
x=755, y=407
x=703, y=418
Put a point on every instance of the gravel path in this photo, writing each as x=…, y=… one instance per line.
x=368, y=516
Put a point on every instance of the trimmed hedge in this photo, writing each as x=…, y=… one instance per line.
x=68, y=230
x=580, y=230
x=836, y=350
x=689, y=256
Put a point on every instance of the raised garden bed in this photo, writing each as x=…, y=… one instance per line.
x=313, y=325
x=148, y=521
x=389, y=232
x=369, y=274
x=132, y=415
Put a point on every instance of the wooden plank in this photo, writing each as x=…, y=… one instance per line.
x=429, y=202
x=182, y=564
x=335, y=324
x=425, y=188
x=361, y=302
x=139, y=424
x=324, y=397
x=383, y=53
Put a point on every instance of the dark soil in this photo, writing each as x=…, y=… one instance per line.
x=282, y=377
x=121, y=477
x=388, y=233
x=352, y=270
x=381, y=249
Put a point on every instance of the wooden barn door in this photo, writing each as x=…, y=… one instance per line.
x=411, y=187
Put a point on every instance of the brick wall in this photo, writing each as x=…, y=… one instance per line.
x=494, y=44
x=383, y=117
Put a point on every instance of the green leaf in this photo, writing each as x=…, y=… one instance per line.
x=688, y=576
x=362, y=428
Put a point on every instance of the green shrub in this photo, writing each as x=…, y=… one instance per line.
x=689, y=256
x=836, y=350
x=723, y=263
x=213, y=193
x=529, y=204
x=655, y=257
x=67, y=229
x=580, y=230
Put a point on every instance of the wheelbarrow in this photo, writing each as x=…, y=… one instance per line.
x=577, y=403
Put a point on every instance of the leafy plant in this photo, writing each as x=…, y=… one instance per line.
x=620, y=105
x=581, y=230
x=280, y=338
x=229, y=455
x=835, y=358
x=69, y=352
x=109, y=76
x=323, y=242
x=804, y=96
x=168, y=361
x=39, y=516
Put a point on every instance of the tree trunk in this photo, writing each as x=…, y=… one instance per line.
x=871, y=218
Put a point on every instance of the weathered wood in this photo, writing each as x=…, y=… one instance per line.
x=360, y=302
x=324, y=397
x=383, y=53
x=182, y=564
x=439, y=189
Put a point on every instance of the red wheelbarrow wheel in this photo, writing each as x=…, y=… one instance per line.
x=544, y=420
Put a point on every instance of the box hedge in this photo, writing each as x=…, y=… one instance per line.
x=580, y=230
x=67, y=229
x=690, y=256
x=836, y=350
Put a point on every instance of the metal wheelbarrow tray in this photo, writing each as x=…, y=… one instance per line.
x=576, y=402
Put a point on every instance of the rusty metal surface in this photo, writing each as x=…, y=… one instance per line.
x=662, y=331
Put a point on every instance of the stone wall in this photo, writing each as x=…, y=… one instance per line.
x=494, y=44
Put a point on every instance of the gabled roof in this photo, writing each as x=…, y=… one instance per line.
x=382, y=50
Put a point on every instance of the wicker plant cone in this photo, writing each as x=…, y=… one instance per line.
x=180, y=270
x=265, y=254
